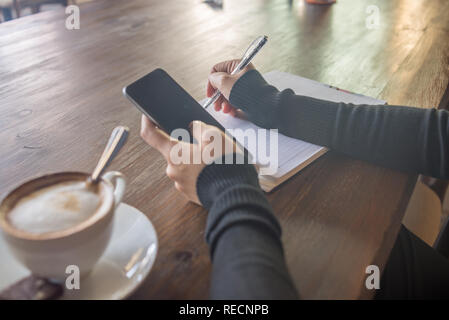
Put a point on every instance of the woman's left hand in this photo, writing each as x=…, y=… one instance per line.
x=185, y=171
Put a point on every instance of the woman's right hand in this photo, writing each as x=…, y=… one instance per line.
x=220, y=78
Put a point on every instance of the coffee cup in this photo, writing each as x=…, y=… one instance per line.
x=59, y=220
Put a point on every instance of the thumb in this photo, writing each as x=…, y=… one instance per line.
x=223, y=82
x=203, y=133
x=198, y=128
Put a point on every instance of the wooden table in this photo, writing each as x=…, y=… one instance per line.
x=60, y=97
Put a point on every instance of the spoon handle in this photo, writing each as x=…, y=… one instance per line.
x=115, y=143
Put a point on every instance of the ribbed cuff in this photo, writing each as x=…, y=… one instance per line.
x=216, y=178
x=239, y=204
x=232, y=194
x=257, y=99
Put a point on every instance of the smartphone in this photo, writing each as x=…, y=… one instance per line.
x=166, y=103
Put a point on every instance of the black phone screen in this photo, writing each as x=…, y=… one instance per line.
x=166, y=102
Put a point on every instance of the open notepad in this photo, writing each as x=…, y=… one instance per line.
x=293, y=154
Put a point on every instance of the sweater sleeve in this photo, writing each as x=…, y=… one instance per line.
x=404, y=138
x=243, y=235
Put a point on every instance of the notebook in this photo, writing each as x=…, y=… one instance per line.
x=292, y=154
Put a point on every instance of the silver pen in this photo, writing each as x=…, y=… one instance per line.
x=249, y=54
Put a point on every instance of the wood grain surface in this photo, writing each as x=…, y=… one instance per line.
x=60, y=97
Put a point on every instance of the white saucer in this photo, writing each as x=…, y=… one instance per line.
x=126, y=262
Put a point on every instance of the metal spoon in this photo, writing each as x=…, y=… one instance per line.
x=115, y=143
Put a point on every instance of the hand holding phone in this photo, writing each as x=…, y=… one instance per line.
x=166, y=103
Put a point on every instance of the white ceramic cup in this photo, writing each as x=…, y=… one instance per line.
x=49, y=254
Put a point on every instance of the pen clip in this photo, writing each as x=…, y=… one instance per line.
x=249, y=54
x=254, y=47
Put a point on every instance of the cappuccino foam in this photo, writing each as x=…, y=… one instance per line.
x=54, y=208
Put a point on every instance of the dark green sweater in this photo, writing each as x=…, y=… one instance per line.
x=243, y=234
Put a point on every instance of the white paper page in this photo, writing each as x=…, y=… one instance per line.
x=288, y=148
x=292, y=152
x=311, y=88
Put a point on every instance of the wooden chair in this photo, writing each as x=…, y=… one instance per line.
x=428, y=198
x=424, y=214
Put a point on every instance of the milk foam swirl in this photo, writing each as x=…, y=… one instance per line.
x=54, y=208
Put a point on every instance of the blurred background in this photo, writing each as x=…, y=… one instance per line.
x=13, y=9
